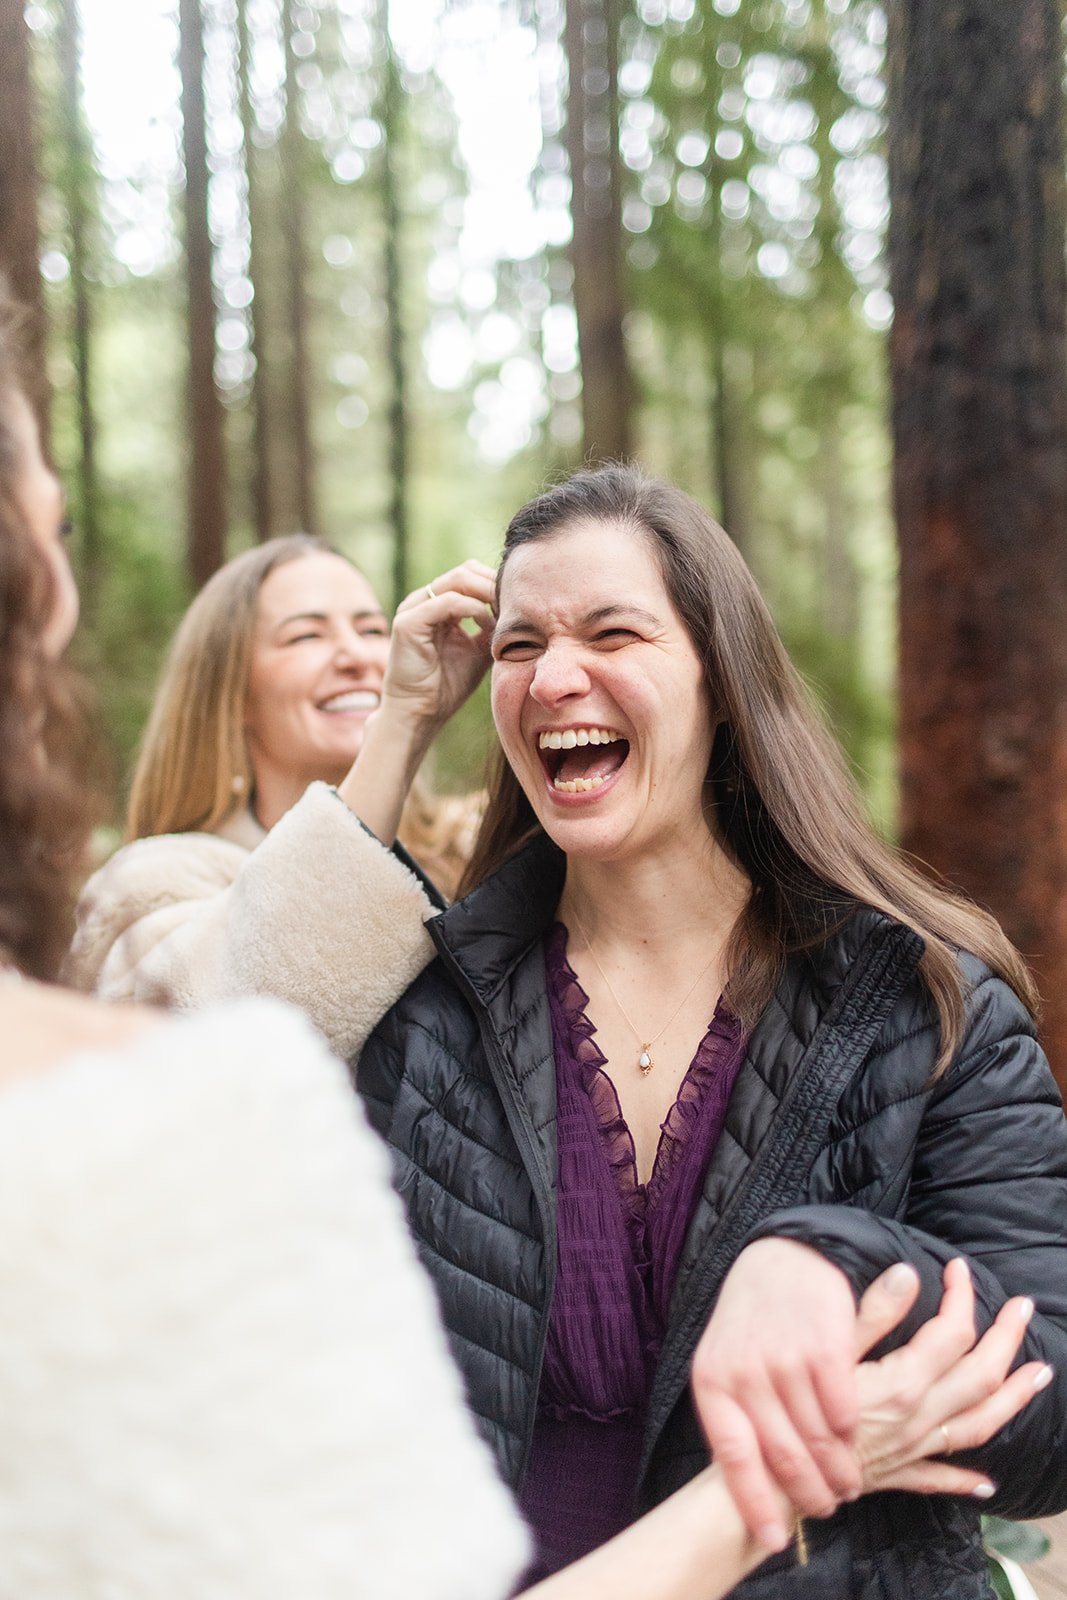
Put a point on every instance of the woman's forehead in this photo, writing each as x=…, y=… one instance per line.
x=583, y=564
x=319, y=582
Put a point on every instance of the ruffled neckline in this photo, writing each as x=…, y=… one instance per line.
x=722, y=1035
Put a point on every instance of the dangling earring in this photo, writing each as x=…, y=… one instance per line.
x=238, y=783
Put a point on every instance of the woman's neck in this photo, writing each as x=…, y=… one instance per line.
x=658, y=901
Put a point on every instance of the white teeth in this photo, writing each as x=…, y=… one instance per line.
x=354, y=700
x=577, y=785
x=572, y=736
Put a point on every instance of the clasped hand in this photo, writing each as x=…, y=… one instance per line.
x=791, y=1410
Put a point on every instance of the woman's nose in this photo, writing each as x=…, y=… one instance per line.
x=352, y=649
x=559, y=674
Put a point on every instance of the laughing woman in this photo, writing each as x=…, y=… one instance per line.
x=697, y=1045
x=221, y=1371
x=250, y=873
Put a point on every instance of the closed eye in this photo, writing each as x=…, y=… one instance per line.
x=614, y=636
x=516, y=650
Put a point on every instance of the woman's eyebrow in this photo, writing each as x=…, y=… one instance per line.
x=321, y=616
x=636, y=613
x=590, y=619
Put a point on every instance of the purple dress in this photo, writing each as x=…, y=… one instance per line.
x=619, y=1245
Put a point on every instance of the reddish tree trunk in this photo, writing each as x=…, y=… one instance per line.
x=390, y=114
x=591, y=40
x=78, y=182
x=980, y=425
x=295, y=225
x=19, y=241
x=262, y=486
x=207, y=462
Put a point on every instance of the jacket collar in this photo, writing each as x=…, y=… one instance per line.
x=487, y=933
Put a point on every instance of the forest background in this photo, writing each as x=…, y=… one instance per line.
x=380, y=269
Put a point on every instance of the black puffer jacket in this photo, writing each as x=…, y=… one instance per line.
x=835, y=1135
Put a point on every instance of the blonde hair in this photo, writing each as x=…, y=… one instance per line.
x=193, y=769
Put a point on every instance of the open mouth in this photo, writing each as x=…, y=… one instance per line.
x=353, y=700
x=581, y=760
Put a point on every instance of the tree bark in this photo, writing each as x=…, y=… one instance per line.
x=78, y=181
x=389, y=115
x=207, y=464
x=591, y=41
x=262, y=487
x=19, y=187
x=295, y=224
x=978, y=354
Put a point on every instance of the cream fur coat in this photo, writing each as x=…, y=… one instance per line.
x=222, y=1375
x=318, y=913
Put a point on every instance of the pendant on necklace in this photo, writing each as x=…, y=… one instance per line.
x=645, y=1061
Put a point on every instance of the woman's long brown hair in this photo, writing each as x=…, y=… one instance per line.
x=44, y=816
x=784, y=802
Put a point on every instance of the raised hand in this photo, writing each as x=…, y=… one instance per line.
x=434, y=662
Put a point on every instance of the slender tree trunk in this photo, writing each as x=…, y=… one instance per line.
x=980, y=424
x=390, y=115
x=591, y=39
x=840, y=579
x=19, y=184
x=262, y=488
x=724, y=423
x=78, y=180
x=295, y=222
x=207, y=479
x=726, y=447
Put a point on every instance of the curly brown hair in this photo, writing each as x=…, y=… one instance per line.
x=44, y=815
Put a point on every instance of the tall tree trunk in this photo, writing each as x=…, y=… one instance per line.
x=262, y=488
x=207, y=465
x=725, y=428
x=295, y=224
x=591, y=40
x=19, y=239
x=980, y=424
x=390, y=114
x=78, y=180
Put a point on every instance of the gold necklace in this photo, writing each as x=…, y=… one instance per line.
x=644, y=1055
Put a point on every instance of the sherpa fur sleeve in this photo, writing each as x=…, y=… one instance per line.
x=320, y=914
x=222, y=1372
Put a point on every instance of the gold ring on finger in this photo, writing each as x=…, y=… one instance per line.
x=948, y=1442
x=430, y=595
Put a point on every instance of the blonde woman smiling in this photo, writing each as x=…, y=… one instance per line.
x=278, y=765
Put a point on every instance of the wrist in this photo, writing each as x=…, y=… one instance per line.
x=408, y=719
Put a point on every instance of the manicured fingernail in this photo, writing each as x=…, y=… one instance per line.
x=984, y=1491
x=773, y=1536
x=1044, y=1378
x=1026, y=1311
x=900, y=1279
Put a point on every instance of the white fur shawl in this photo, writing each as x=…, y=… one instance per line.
x=222, y=1376
x=320, y=914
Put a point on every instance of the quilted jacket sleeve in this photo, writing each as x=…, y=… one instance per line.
x=988, y=1181
x=320, y=914
x=378, y=1071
